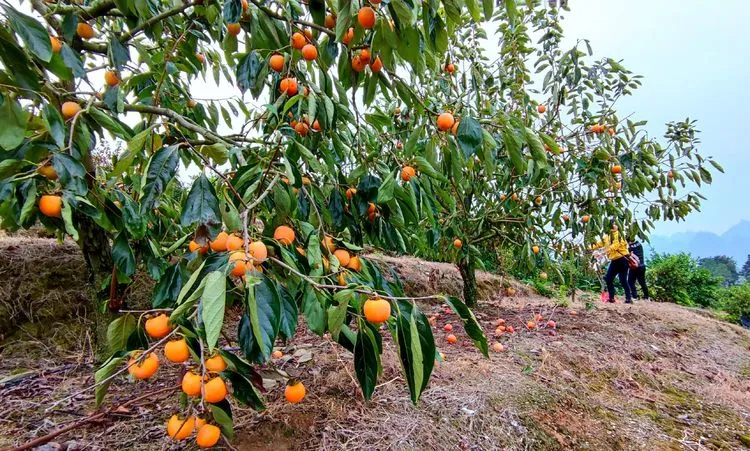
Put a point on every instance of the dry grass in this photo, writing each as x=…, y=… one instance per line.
x=647, y=376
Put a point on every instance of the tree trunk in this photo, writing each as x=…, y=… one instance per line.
x=97, y=253
x=466, y=267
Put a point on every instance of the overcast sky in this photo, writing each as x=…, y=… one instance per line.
x=695, y=59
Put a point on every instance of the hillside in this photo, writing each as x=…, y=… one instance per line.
x=646, y=376
x=735, y=243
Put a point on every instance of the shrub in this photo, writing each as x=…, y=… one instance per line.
x=678, y=278
x=736, y=301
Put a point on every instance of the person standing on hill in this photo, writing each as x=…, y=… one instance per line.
x=638, y=273
x=617, y=252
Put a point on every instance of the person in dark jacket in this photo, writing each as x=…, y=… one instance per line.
x=638, y=273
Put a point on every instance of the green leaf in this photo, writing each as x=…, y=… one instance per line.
x=14, y=119
x=107, y=369
x=222, y=415
x=337, y=313
x=118, y=332
x=488, y=6
x=473, y=7
x=118, y=53
x=167, y=290
x=248, y=68
x=416, y=346
x=469, y=136
x=213, y=302
x=425, y=167
x=55, y=125
x=72, y=60
x=123, y=256
x=242, y=377
x=71, y=173
x=161, y=169
x=32, y=32
x=289, y=313
x=67, y=216
x=366, y=359
x=537, y=149
x=513, y=145
x=385, y=191
x=232, y=11
x=263, y=308
x=217, y=152
x=313, y=311
x=201, y=205
x=511, y=11
x=471, y=326
x=189, y=284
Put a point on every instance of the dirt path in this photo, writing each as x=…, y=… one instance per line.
x=646, y=376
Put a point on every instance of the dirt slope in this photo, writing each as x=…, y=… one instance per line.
x=646, y=376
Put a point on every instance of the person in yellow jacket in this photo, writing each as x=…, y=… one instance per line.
x=617, y=252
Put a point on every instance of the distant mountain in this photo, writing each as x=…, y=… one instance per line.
x=735, y=243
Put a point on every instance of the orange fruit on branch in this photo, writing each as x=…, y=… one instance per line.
x=193, y=247
x=535, y=249
x=144, y=368
x=450, y=68
x=294, y=392
x=377, y=310
x=330, y=22
x=365, y=55
x=234, y=242
x=216, y=364
x=84, y=30
x=158, y=326
x=350, y=193
x=617, y=169
x=407, y=173
x=585, y=219
x=51, y=206
x=457, y=243
x=357, y=64
x=234, y=29
x=48, y=171
x=70, y=109
x=354, y=264
x=284, y=235
x=445, y=121
x=288, y=86
x=238, y=263
x=343, y=256
x=179, y=429
x=276, y=62
x=215, y=390
x=298, y=40
x=309, y=52
x=347, y=39
x=200, y=57
x=366, y=17
x=56, y=44
x=208, y=436
x=111, y=78
x=541, y=109
x=191, y=384
x=177, y=351
x=219, y=244
x=376, y=65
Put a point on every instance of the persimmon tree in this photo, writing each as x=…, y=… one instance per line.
x=335, y=129
x=538, y=170
x=279, y=205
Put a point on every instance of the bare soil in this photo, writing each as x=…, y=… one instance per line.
x=642, y=376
